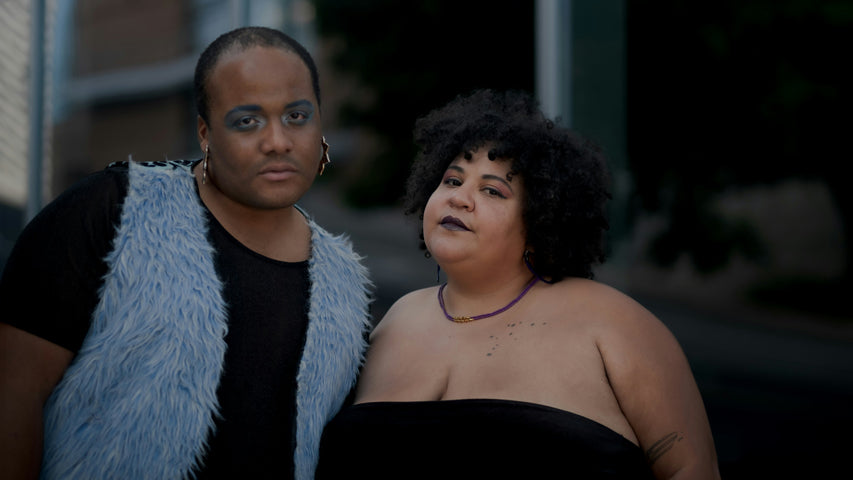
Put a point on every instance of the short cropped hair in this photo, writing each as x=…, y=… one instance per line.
x=565, y=177
x=238, y=40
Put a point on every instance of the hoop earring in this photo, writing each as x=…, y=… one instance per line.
x=325, y=160
x=526, y=258
x=204, y=164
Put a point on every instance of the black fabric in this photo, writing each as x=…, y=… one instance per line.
x=50, y=283
x=477, y=438
x=50, y=289
x=268, y=318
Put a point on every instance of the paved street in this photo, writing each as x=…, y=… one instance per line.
x=779, y=399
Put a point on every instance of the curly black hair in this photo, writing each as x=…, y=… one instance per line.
x=565, y=177
x=241, y=39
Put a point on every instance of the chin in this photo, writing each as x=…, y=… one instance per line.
x=272, y=202
x=281, y=198
x=446, y=254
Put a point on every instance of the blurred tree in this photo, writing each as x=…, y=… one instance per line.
x=415, y=56
x=735, y=93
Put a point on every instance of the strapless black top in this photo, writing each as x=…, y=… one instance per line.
x=473, y=439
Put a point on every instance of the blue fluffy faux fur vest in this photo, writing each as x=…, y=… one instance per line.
x=138, y=400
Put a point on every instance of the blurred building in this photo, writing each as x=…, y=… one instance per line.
x=23, y=24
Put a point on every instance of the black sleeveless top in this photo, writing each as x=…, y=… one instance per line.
x=473, y=438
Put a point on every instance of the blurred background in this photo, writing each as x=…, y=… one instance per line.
x=725, y=124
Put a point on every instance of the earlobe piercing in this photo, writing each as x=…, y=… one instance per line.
x=204, y=164
x=325, y=160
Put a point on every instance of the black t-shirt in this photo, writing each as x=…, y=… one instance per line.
x=50, y=287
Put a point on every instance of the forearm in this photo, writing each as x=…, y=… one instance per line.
x=30, y=368
x=20, y=443
x=706, y=471
x=691, y=461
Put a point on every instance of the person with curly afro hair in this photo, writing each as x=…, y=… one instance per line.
x=565, y=176
x=520, y=365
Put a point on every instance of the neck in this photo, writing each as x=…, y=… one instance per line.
x=280, y=234
x=472, y=280
x=468, y=296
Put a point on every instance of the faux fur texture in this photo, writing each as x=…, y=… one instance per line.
x=139, y=399
x=335, y=342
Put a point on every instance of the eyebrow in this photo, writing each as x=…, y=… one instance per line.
x=243, y=108
x=257, y=108
x=300, y=103
x=485, y=177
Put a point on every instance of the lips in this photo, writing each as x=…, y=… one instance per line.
x=277, y=172
x=453, y=223
x=279, y=168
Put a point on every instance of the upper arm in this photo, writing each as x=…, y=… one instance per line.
x=392, y=366
x=375, y=362
x=49, y=285
x=30, y=367
x=658, y=395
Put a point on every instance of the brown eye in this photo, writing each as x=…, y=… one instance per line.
x=296, y=118
x=494, y=192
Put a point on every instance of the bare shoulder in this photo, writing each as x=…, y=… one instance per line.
x=398, y=366
x=405, y=313
x=626, y=333
x=608, y=311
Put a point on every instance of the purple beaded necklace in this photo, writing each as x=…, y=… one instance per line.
x=485, y=315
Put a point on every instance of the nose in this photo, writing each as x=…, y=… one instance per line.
x=461, y=198
x=276, y=139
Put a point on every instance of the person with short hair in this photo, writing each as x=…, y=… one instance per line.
x=183, y=319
